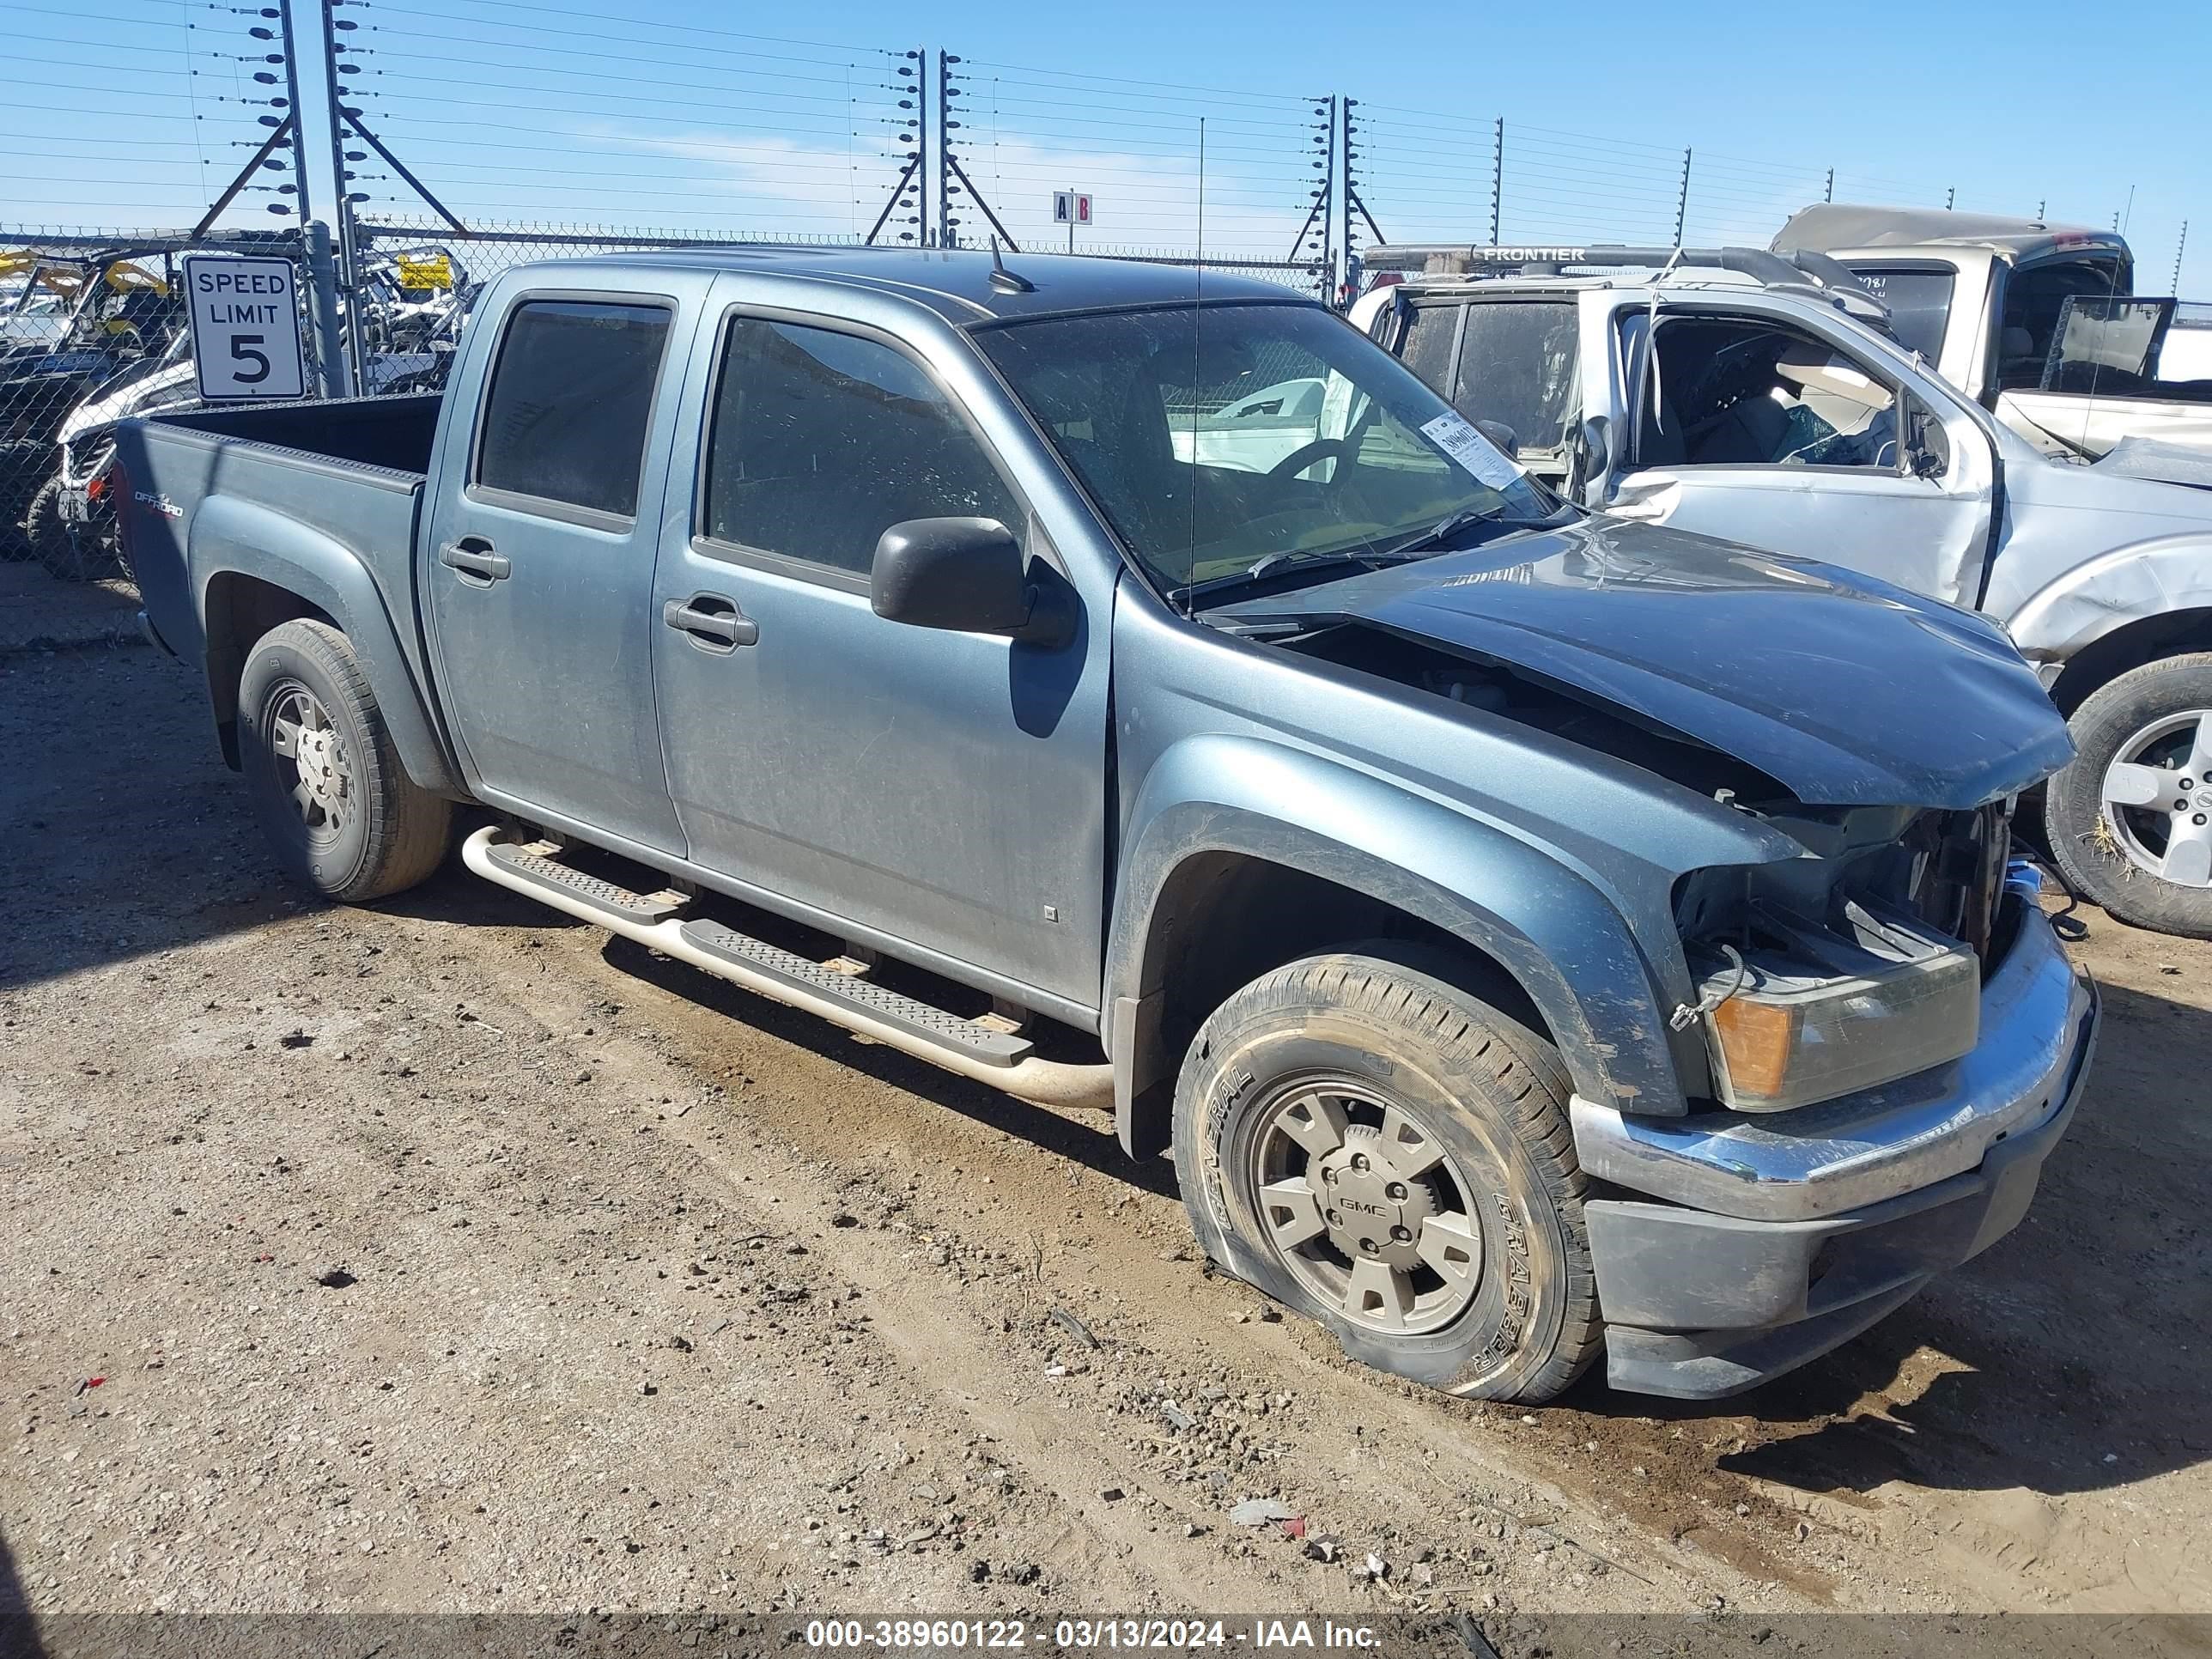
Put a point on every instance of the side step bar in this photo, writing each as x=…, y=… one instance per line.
x=974, y=1050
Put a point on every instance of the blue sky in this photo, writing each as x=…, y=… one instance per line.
x=686, y=116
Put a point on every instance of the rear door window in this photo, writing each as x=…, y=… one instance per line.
x=571, y=396
x=1431, y=337
x=1514, y=362
x=1517, y=365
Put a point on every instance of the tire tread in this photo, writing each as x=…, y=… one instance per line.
x=410, y=829
x=1413, y=987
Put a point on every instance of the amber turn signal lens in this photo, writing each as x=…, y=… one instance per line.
x=1757, y=1040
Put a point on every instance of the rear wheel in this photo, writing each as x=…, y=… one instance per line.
x=326, y=783
x=2131, y=821
x=1381, y=1150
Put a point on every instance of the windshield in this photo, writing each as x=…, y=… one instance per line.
x=1215, y=437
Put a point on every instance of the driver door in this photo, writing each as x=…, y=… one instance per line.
x=940, y=793
x=1761, y=430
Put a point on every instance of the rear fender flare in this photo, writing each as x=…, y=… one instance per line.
x=230, y=536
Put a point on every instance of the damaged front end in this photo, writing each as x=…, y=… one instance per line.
x=1878, y=1038
x=1846, y=969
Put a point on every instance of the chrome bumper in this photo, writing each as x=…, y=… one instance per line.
x=1776, y=1238
x=2039, y=1024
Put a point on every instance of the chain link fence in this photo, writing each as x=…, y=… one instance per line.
x=92, y=329
x=446, y=144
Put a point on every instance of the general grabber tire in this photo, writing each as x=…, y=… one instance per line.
x=1381, y=1150
x=2130, y=822
x=331, y=796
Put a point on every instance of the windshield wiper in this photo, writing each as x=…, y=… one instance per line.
x=1416, y=546
x=1277, y=564
x=1432, y=538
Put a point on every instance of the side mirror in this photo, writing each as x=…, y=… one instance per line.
x=1591, y=462
x=1503, y=435
x=965, y=575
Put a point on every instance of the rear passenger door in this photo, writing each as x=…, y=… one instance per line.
x=538, y=564
x=942, y=793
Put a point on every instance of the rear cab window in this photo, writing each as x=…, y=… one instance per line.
x=564, y=428
x=1918, y=296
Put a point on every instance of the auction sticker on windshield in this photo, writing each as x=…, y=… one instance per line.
x=245, y=315
x=1452, y=433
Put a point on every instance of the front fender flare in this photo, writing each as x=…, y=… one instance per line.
x=2080, y=606
x=231, y=536
x=1562, y=941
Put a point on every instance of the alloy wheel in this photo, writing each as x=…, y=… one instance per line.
x=2158, y=799
x=1360, y=1201
x=312, y=759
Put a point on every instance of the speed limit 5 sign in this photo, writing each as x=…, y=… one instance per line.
x=245, y=314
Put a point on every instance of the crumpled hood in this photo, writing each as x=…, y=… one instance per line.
x=1848, y=690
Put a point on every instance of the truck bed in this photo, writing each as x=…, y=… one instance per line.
x=393, y=433
x=317, y=499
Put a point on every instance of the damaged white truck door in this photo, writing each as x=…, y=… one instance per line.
x=1768, y=430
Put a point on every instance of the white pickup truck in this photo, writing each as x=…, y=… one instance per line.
x=2039, y=323
x=1759, y=398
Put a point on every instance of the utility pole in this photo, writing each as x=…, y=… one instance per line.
x=1682, y=201
x=914, y=66
x=1497, y=180
x=1330, y=284
x=1950, y=196
x=2178, y=249
x=924, y=234
x=1828, y=193
x=945, y=126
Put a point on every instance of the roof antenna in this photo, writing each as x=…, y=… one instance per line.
x=1197, y=391
x=1007, y=282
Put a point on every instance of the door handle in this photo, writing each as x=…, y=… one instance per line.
x=472, y=557
x=711, y=621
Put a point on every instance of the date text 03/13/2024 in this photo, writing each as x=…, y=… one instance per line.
x=1252, y=1635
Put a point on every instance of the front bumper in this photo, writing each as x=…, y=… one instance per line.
x=1753, y=1243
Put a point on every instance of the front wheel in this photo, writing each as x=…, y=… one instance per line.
x=1381, y=1150
x=326, y=783
x=2130, y=822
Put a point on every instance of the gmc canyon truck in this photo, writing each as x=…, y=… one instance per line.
x=1532, y=933
x=1733, y=393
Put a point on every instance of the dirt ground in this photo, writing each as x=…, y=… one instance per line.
x=446, y=1255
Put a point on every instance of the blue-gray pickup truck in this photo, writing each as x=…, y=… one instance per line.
x=1534, y=932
